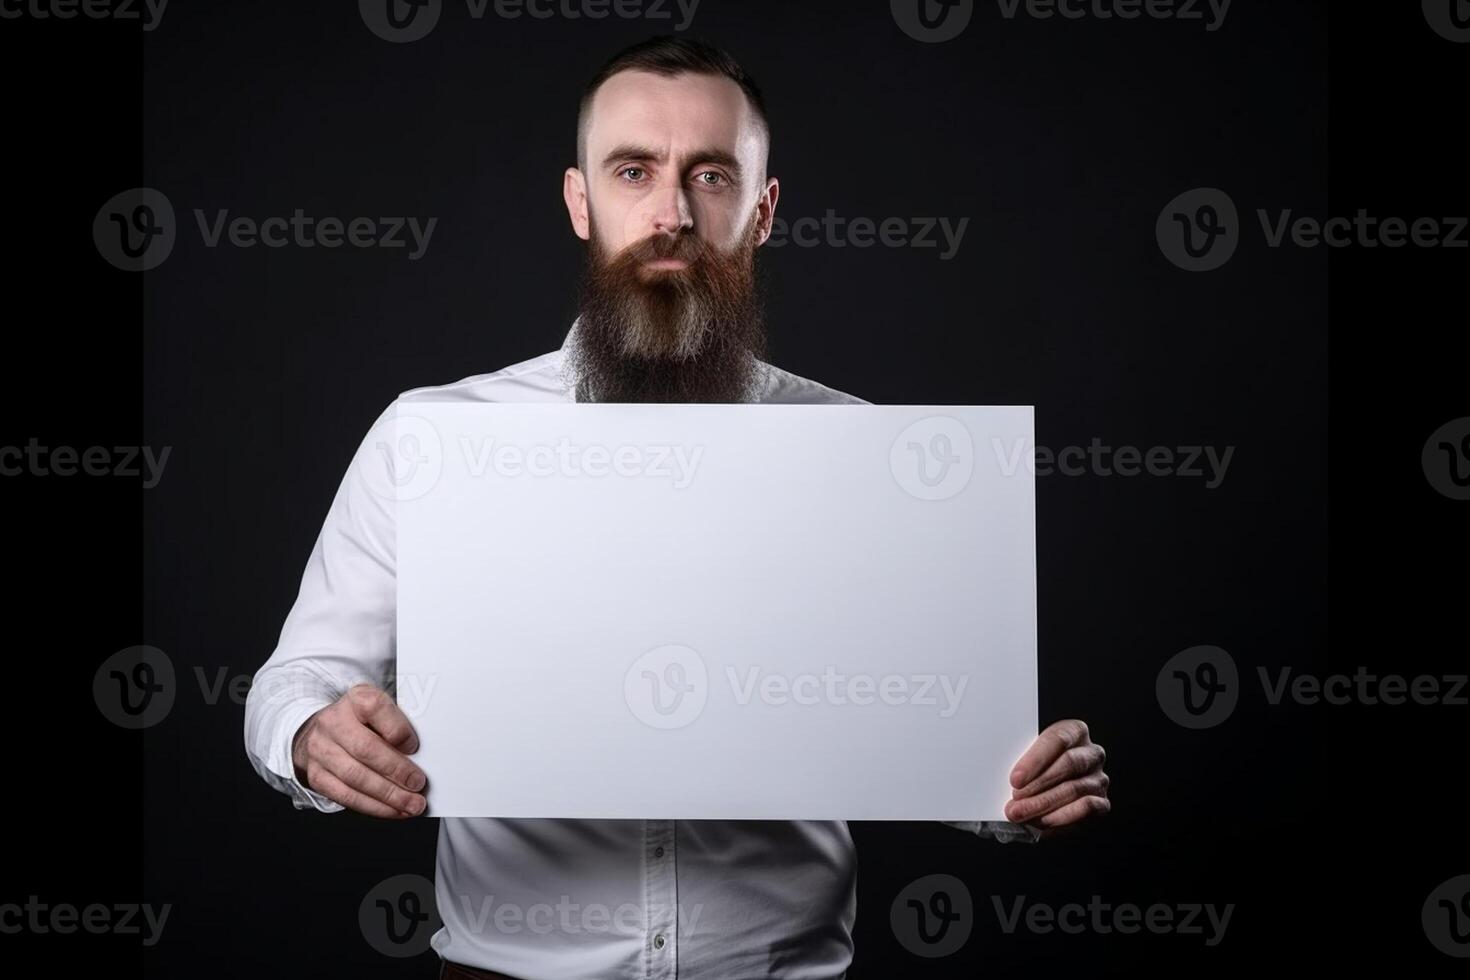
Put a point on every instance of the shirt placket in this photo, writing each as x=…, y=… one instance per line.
x=660, y=901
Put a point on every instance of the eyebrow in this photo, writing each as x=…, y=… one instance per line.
x=708, y=154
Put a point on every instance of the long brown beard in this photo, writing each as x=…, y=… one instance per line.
x=684, y=335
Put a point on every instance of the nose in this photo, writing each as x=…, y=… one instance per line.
x=671, y=214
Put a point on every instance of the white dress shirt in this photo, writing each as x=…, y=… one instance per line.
x=692, y=899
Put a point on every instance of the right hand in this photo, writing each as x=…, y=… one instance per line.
x=355, y=752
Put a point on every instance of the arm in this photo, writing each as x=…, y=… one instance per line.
x=304, y=735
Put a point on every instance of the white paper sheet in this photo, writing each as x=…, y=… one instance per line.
x=717, y=611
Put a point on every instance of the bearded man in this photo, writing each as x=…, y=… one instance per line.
x=671, y=194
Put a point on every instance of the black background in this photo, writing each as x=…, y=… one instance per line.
x=1060, y=141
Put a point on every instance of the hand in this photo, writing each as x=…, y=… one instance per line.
x=1060, y=780
x=355, y=752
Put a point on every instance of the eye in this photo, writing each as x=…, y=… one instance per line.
x=718, y=181
x=627, y=170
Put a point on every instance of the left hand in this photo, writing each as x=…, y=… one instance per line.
x=1060, y=780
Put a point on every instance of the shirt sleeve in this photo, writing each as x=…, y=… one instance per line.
x=341, y=630
x=1001, y=830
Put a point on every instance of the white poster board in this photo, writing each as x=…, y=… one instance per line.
x=717, y=611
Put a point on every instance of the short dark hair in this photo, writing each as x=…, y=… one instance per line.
x=669, y=55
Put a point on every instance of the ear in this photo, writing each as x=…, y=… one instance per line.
x=574, y=192
x=765, y=209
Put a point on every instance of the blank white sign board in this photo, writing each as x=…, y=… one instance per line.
x=795, y=612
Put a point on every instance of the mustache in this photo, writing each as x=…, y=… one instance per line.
x=686, y=246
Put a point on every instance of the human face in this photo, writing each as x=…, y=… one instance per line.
x=668, y=305
x=667, y=156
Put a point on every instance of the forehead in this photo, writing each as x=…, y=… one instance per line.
x=672, y=112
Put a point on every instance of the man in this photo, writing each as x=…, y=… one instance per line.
x=672, y=196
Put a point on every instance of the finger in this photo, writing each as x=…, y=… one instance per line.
x=1051, y=743
x=334, y=789
x=375, y=709
x=1031, y=807
x=1073, y=812
x=365, y=745
x=357, y=775
x=1073, y=764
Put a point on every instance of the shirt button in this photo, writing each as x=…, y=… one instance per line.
x=658, y=942
x=658, y=852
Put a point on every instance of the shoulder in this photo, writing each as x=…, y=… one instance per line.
x=386, y=461
x=536, y=379
x=783, y=387
x=540, y=379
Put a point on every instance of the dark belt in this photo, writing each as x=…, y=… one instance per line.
x=458, y=971
x=449, y=970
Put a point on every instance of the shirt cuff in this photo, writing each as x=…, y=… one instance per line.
x=302, y=797
x=1001, y=830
